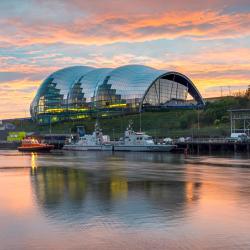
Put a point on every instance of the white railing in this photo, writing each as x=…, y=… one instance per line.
x=203, y=140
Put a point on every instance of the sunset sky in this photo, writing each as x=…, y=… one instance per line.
x=209, y=41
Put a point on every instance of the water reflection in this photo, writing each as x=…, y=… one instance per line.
x=109, y=201
x=81, y=196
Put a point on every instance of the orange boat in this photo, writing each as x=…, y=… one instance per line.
x=33, y=145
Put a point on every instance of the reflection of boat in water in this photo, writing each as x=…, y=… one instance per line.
x=139, y=141
x=96, y=141
x=33, y=145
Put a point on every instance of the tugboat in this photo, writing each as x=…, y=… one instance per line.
x=33, y=145
x=97, y=142
x=140, y=142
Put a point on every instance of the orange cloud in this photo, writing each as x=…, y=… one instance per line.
x=111, y=28
x=16, y=97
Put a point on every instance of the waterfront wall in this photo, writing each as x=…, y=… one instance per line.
x=214, y=146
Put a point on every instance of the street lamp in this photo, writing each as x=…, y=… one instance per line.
x=50, y=124
x=198, y=121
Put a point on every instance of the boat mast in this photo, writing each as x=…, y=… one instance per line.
x=140, y=120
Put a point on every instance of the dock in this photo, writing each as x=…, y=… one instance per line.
x=212, y=145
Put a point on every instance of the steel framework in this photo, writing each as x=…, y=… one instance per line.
x=240, y=121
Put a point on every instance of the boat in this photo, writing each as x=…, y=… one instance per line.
x=33, y=145
x=96, y=141
x=140, y=141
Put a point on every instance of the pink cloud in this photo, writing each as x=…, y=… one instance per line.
x=111, y=28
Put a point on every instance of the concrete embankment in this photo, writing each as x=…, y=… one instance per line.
x=214, y=146
x=9, y=145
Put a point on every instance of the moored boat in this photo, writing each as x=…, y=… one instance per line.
x=140, y=142
x=33, y=145
x=95, y=142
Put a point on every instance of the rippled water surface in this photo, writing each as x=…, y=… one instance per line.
x=105, y=200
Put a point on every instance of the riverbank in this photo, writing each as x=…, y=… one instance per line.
x=157, y=124
x=212, y=121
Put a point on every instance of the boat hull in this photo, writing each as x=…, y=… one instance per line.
x=35, y=149
x=88, y=148
x=143, y=148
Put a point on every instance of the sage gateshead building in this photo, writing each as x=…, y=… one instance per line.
x=80, y=92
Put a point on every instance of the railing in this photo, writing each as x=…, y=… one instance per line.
x=202, y=140
x=218, y=140
x=211, y=140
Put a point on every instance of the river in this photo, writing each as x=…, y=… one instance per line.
x=107, y=200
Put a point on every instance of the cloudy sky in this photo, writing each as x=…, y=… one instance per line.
x=209, y=41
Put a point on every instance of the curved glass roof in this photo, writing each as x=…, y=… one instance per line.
x=80, y=88
x=130, y=81
x=86, y=85
x=65, y=78
x=55, y=87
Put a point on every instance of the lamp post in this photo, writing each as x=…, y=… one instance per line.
x=140, y=120
x=50, y=124
x=198, y=121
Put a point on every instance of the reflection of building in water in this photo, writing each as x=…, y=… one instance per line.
x=118, y=187
x=80, y=196
x=57, y=185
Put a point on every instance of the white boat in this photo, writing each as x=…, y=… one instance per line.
x=97, y=142
x=139, y=141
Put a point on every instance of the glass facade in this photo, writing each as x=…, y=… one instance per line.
x=78, y=92
x=51, y=100
x=165, y=92
x=81, y=95
x=124, y=87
